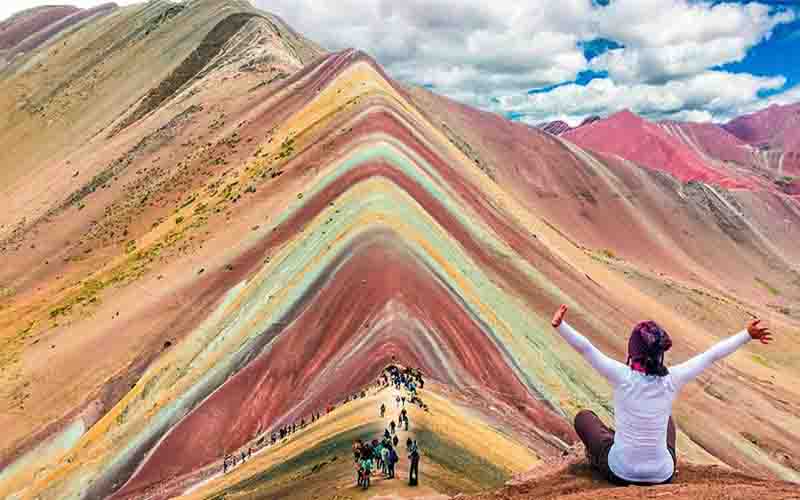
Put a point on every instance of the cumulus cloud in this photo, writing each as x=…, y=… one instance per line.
x=663, y=62
x=712, y=94
x=664, y=39
x=458, y=46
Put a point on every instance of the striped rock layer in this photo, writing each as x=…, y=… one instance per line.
x=255, y=234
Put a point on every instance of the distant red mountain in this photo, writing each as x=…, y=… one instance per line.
x=760, y=150
x=633, y=138
x=776, y=128
x=710, y=140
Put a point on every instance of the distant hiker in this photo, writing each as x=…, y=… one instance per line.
x=376, y=453
x=383, y=410
x=413, y=471
x=398, y=401
x=356, y=450
x=392, y=457
x=385, y=459
x=386, y=433
x=395, y=441
x=403, y=399
x=408, y=444
x=364, y=470
x=244, y=457
x=249, y=453
x=642, y=450
x=405, y=421
x=392, y=426
x=225, y=465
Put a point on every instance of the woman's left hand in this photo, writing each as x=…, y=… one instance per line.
x=758, y=332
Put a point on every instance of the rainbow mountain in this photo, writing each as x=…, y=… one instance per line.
x=214, y=229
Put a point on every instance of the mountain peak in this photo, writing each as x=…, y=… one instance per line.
x=228, y=256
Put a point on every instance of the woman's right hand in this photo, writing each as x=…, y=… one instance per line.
x=758, y=332
x=558, y=317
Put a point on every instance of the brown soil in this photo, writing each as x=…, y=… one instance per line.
x=575, y=480
x=197, y=60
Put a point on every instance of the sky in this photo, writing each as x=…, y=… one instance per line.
x=541, y=60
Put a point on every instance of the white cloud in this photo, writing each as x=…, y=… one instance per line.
x=789, y=96
x=710, y=95
x=458, y=46
x=483, y=52
x=665, y=39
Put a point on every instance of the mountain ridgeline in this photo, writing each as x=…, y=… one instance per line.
x=217, y=236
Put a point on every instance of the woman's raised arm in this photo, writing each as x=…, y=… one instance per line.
x=611, y=369
x=688, y=370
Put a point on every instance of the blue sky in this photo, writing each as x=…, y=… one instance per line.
x=779, y=55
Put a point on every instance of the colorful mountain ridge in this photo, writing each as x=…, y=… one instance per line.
x=215, y=229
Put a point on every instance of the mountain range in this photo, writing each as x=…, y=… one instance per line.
x=214, y=230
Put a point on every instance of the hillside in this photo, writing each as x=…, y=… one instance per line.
x=214, y=229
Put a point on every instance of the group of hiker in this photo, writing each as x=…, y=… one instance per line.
x=382, y=455
x=369, y=456
x=230, y=459
x=408, y=378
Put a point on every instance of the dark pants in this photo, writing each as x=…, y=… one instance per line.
x=391, y=470
x=413, y=472
x=598, y=439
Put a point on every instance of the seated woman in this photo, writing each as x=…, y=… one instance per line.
x=642, y=449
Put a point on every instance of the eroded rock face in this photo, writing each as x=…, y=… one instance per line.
x=556, y=128
x=213, y=230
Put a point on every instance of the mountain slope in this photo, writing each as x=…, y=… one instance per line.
x=633, y=138
x=775, y=127
x=254, y=235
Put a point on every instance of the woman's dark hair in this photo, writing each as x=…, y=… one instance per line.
x=646, y=348
x=655, y=366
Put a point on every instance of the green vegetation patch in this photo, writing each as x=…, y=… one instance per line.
x=771, y=289
x=761, y=360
